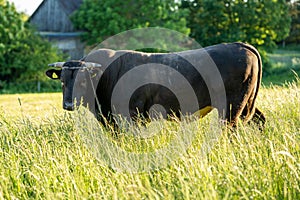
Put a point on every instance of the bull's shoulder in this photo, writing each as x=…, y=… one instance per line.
x=99, y=55
x=104, y=56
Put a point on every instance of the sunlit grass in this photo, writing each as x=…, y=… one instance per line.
x=31, y=105
x=42, y=155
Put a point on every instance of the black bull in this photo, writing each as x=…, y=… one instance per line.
x=223, y=76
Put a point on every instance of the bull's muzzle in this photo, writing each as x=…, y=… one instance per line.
x=68, y=106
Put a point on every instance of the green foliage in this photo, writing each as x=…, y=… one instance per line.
x=260, y=23
x=104, y=18
x=294, y=36
x=23, y=54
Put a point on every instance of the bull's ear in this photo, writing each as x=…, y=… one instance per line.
x=53, y=73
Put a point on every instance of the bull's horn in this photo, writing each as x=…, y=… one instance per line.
x=92, y=65
x=57, y=64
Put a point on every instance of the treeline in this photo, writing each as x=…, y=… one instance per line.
x=261, y=23
x=294, y=35
x=24, y=54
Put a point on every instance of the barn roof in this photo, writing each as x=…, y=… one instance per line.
x=68, y=6
x=54, y=15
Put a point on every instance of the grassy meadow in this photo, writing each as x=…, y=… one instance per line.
x=43, y=157
x=285, y=66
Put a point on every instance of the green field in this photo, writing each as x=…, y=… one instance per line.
x=44, y=157
x=285, y=66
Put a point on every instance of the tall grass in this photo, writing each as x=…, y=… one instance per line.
x=42, y=156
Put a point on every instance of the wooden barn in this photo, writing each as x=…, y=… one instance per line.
x=52, y=20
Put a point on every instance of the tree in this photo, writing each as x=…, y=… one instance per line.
x=294, y=36
x=103, y=18
x=23, y=54
x=258, y=22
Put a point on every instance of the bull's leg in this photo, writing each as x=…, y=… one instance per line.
x=241, y=105
x=252, y=113
x=259, y=118
x=248, y=110
x=233, y=113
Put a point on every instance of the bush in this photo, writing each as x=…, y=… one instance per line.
x=24, y=55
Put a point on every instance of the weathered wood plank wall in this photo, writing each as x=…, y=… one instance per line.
x=50, y=16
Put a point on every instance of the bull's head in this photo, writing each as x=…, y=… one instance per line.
x=79, y=81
